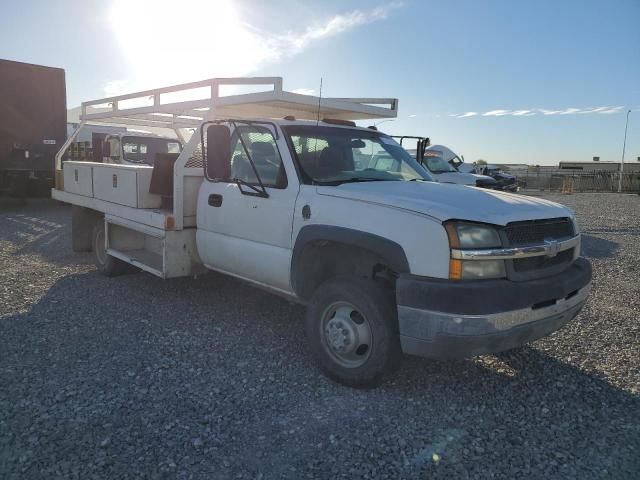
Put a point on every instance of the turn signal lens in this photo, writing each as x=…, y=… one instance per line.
x=476, y=270
x=455, y=269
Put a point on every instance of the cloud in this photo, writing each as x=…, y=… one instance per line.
x=496, y=113
x=413, y=115
x=294, y=43
x=571, y=111
x=609, y=110
x=220, y=41
x=523, y=113
x=581, y=111
x=535, y=111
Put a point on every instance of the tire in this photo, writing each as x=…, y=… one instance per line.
x=340, y=313
x=105, y=263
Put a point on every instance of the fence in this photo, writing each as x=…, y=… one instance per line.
x=568, y=181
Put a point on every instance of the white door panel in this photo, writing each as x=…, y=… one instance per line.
x=266, y=264
x=247, y=235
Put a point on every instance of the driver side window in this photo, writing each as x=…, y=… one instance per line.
x=263, y=151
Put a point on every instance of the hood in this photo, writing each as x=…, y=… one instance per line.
x=484, y=178
x=455, y=177
x=448, y=201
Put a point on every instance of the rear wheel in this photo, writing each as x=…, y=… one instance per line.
x=352, y=328
x=105, y=263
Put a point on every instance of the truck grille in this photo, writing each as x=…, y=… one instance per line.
x=522, y=265
x=536, y=231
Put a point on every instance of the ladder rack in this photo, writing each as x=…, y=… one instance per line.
x=187, y=105
x=193, y=103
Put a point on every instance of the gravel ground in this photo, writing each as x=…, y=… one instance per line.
x=136, y=377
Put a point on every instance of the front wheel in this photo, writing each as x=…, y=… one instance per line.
x=353, y=331
x=105, y=263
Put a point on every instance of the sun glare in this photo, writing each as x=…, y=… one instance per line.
x=170, y=42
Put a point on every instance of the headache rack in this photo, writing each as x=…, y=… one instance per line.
x=187, y=105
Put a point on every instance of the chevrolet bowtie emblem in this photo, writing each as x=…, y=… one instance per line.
x=552, y=247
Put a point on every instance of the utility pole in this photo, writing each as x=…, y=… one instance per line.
x=624, y=147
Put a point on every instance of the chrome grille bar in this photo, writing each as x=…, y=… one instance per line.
x=549, y=248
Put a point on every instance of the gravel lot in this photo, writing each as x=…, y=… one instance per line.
x=136, y=377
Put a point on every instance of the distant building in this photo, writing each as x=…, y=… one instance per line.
x=600, y=166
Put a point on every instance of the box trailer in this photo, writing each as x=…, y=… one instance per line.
x=33, y=124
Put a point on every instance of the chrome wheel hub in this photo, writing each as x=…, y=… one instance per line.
x=347, y=335
x=340, y=335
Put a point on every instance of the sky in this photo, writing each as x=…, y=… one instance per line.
x=534, y=82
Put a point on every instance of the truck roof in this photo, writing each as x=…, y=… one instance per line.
x=175, y=107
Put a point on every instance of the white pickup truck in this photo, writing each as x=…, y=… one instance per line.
x=284, y=191
x=137, y=148
x=442, y=163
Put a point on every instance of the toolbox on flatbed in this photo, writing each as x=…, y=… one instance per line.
x=126, y=185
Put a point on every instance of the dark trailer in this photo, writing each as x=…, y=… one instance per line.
x=33, y=125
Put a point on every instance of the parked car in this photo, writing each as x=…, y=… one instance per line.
x=505, y=181
x=436, y=160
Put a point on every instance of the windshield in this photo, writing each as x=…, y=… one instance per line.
x=330, y=156
x=456, y=162
x=436, y=164
x=144, y=149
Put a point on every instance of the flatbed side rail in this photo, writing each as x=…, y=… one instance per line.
x=186, y=106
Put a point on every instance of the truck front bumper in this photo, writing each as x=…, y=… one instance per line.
x=447, y=320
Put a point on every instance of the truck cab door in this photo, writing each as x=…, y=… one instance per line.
x=244, y=228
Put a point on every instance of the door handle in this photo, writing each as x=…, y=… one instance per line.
x=215, y=200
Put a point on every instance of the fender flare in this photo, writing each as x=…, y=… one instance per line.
x=392, y=253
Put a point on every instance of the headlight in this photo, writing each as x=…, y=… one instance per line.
x=463, y=235
x=472, y=235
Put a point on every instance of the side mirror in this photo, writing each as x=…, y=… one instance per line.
x=420, y=149
x=218, y=152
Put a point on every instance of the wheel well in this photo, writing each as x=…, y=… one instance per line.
x=321, y=260
x=82, y=222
